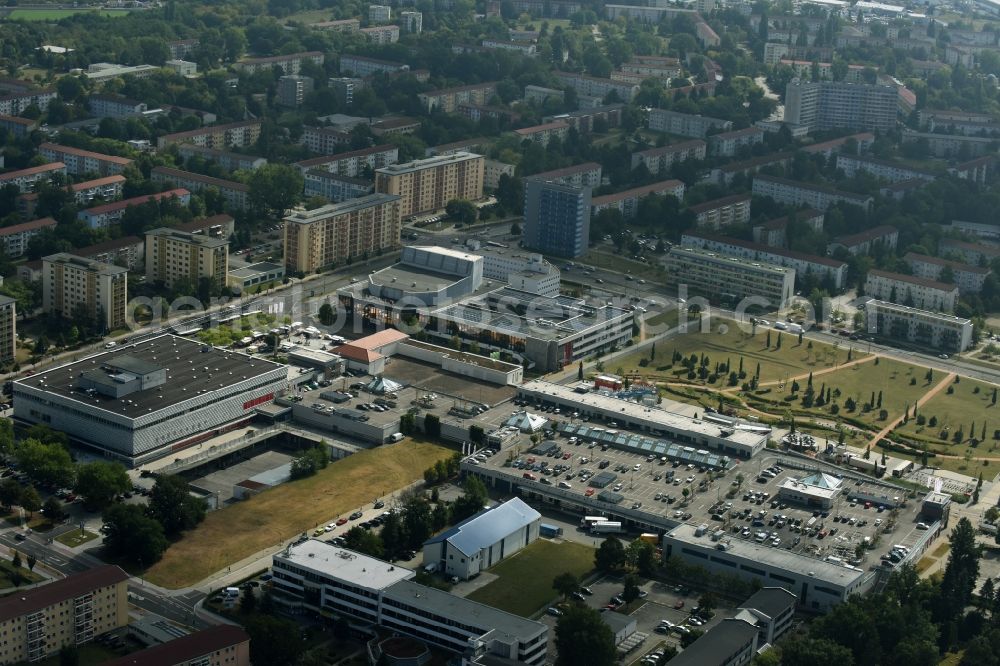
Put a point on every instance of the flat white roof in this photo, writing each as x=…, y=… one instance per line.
x=328, y=560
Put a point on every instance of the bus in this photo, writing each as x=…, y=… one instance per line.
x=589, y=521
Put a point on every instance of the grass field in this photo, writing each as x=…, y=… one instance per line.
x=57, y=14
x=970, y=403
x=7, y=567
x=525, y=580
x=76, y=538
x=89, y=654
x=238, y=531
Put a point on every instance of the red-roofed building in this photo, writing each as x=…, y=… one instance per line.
x=369, y=353
x=15, y=239
x=25, y=179
x=221, y=645
x=79, y=162
x=100, y=217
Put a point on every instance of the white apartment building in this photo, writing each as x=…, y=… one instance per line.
x=722, y=212
x=14, y=239
x=728, y=144
x=382, y=34
x=492, y=170
x=658, y=160
x=173, y=255
x=71, y=283
x=797, y=193
x=521, y=270
x=332, y=187
x=115, y=106
x=932, y=329
x=412, y=22
x=15, y=103
x=324, y=140
x=288, y=64
x=543, y=133
x=236, y=195
x=884, y=235
x=685, y=124
x=627, y=202
x=827, y=105
x=587, y=174
x=353, y=163
x=729, y=279
x=379, y=13
x=595, y=87
x=917, y=292
x=25, y=179
x=884, y=169
x=79, y=162
x=360, y=66
x=970, y=253
x=967, y=277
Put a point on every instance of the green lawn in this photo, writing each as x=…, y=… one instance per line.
x=524, y=585
x=76, y=538
x=7, y=568
x=89, y=654
x=970, y=403
x=57, y=14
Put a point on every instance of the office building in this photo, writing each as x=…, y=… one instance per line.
x=173, y=255
x=236, y=195
x=8, y=329
x=447, y=100
x=115, y=106
x=379, y=13
x=967, y=277
x=74, y=287
x=103, y=216
x=930, y=329
x=971, y=253
x=659, y=160
x=331, y=234
x=627, y=202
x=355, y=163
x=40, y=621
x=332, y=581
x=729, y=279
x=293, y=88
x=523, y=271
x=360, y=66
x=732, y=642
x=884, y=236
x=288, y=64
x=225, y=159
x=478, y=543
x=412, y=22
x=344, y=88
x=771, y=610
x=556, y=217
x=219, y=645
x=232, y=135
x=381, y=34
x=427, y=185
x=827, y=269
x=685, y=124
x=797, y=193
x=25, y=180
x=826, y=105
x=724, y=212
x=917, y=292
x=252, y=275
x=729, y=144
x=15, y=238
x=145, y=400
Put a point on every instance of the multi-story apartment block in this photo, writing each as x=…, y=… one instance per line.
x=344, y=88
x=102, y=72
x=107, y=189
x=19, y=127
x=288, y=64
x=556, y=217
x=182, y=67
x=971, y=253
x=40, y=621
x=726, y=174
x=723, y=212
x=14, y=104
x=828, y=105
x=596, y=87
x=931, y=329
x=25, y=179
x=219, y=645
x=293, y=88
x=343, y=25
x=115, y=106
x=324, y=140
x=910, y=290
x=14, y=239
x=103, y=216
x=360, y=66
x=652, y=67
x=728, y=144
x=524, y=48
x=977, y=170
x=492, y=170
x=583, y=121
x=332, y=234
x=379, y=13
x=325, y=579
x=540, y=94
x=659, y=160
x=382, y=34
x=233, y=135
x=182, y=48
x=72, y=286
x=967, y=277
x=477, y=113
x=330, y=186
x=797, y=193
x=865, y=242
x=952, y=145
x=127, y=251
x=587, y=174
x=173, y=255
x=355, y=163
x=968, y=123
x=80, y=162
x=8, y=329
x=227, y=160
x=804, y=264
x=412, y=22
x=237, y=195
x=627, y=202
x=474, y=145
x=543, y=133
x=389, y=126
x=773, y=232
x=427, y=185
x=217, y=226
x=685, y=124
x=858, y=144
x=883, y=169
x=446, y=100
x=729, y=279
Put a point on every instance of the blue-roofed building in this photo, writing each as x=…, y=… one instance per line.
x=483, y=540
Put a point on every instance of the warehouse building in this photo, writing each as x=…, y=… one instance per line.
x=147, y=400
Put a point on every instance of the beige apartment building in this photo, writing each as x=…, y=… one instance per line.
x=331, y=234
x=39, y=622
x=69, y=282
x=8, y=328
x=173, y=255
x=427, y=185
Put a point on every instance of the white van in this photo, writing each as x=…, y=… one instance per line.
x=396, y=437
x=231, y=592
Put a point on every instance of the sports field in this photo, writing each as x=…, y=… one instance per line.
x=241, y=530
x=57, y=14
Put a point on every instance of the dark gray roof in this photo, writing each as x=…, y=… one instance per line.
x=718, y=644
x=771, y=601
x=136, y=366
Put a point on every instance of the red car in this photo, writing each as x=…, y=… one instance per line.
x=590, y=491
x=341, y=521
x=680, y=604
